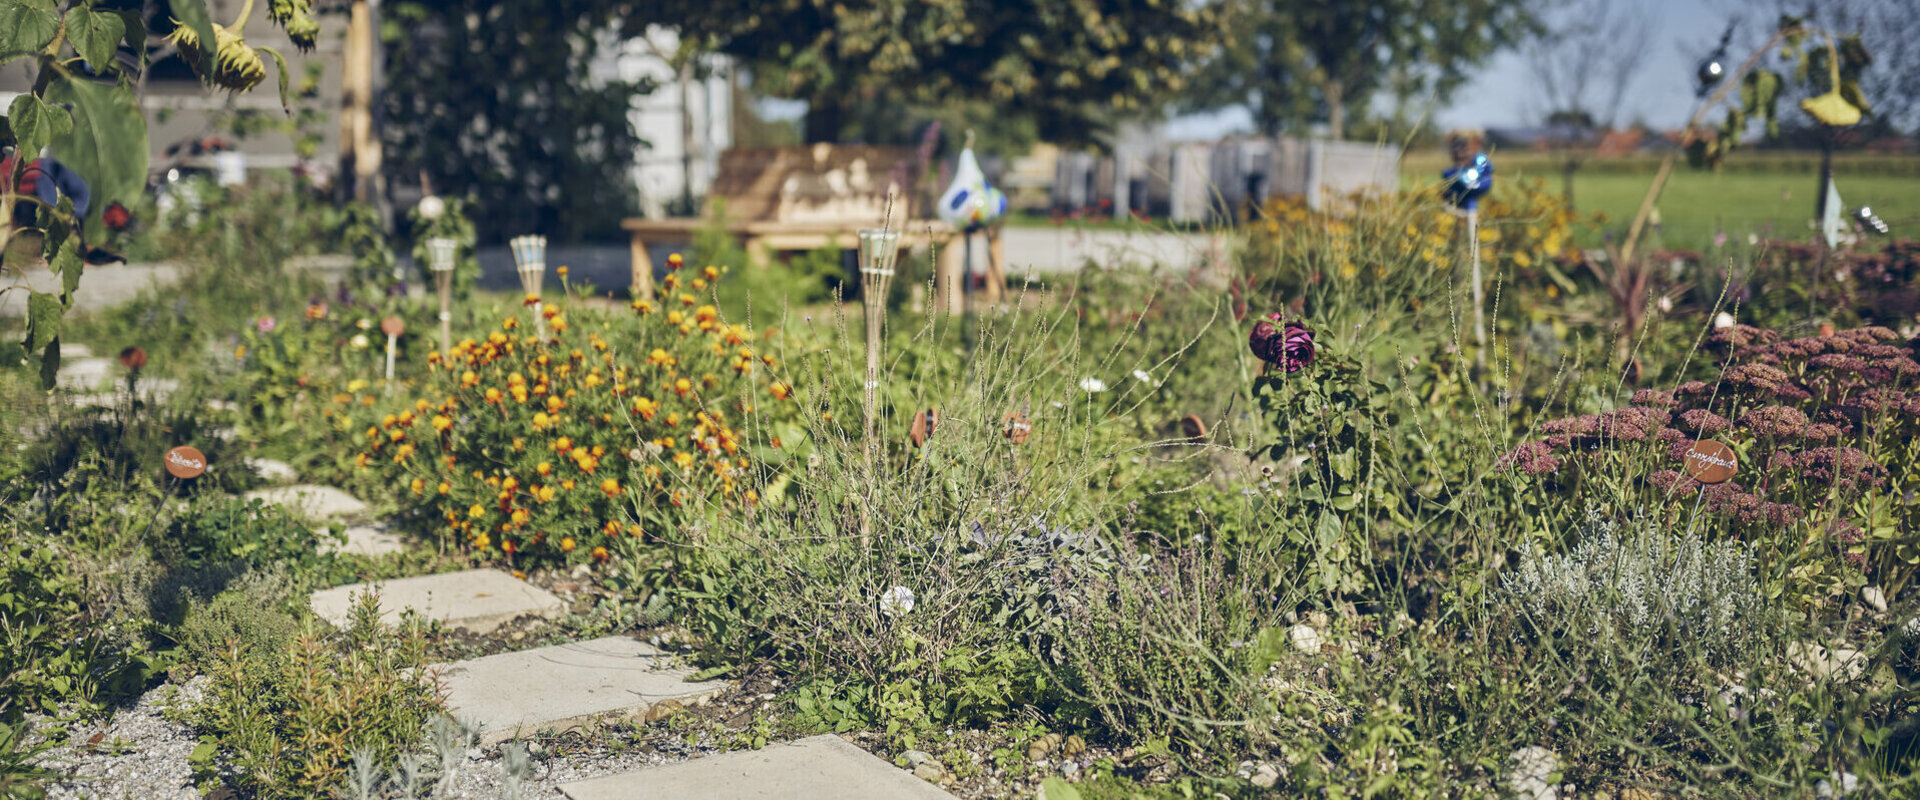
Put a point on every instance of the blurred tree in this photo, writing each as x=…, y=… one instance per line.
x=1581, y=68
x=499, y=102
x=1294, y=62
x=1066, y=64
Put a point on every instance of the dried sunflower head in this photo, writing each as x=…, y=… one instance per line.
x=235, y=65
x=296, y=17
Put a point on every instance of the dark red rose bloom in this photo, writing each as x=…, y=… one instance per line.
x=116, y=216
x=1289, y=347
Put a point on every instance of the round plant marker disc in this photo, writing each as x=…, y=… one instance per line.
x=1194, y=427
x=1709, y=461
x=393, y=326
x=923, y=425
x=185, y=462
x=1018, y=427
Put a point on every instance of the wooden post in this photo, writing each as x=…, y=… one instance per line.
x=359, y=150
x=642, y=286
x=996, y=266
x=952, y=270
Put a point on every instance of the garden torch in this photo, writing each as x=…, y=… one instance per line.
x=530, y=260
x=440, y=260
x=879, y=249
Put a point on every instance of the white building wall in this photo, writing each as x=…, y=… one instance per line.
x=660, y=170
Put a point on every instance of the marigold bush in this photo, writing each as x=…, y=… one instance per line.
x=551, y=447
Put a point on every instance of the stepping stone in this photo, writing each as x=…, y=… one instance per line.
x=84, y=373
x=317, y=502
x=817, y=768
x=271, y=470
x=566, y=686
x=68, y=350
x=363, y=540
x=479, y=600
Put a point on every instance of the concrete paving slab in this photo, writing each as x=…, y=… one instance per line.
x=477, y=599
x=83, y=374
x=566, y=686
x=318, y=502
x=816, y=768
x=363, y=540
x=271, y=470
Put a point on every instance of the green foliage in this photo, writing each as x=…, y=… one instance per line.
x=257, y=613
x=286, y=722
x=62, y=646
x=1295, y=62
x=1829, y=71
x=1059, y=63
x=514, y=85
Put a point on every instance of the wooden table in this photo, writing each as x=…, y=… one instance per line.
x=763, y=240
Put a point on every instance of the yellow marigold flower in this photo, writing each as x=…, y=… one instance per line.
x=520, y=516
x=563, y=444
x=481, y=541
x=781, y=390
x=712, y=272
x=469, y=379
x=674, y=317
x=611, y=487
x=682, y=387
x=642, y=306
x=683, y=459
x=544, y=494
x=477, y=511
x=507, y=546
x=541, y=420
x=361, y=461
x=356, y=385
x=600, y=554
x=441, y=422
x=240, y=352
x=445, y=487
x=403, y=452
x=492, y=395
x=559, y=324
x=566, y=544
x=543, y=468
x=566, y=485
x=419, y=486
x=561, y=271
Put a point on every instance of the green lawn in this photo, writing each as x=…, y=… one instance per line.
x=1697, y=203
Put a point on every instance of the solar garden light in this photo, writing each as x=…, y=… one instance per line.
x=879, y=249
x=530, y=260
x=440, y=251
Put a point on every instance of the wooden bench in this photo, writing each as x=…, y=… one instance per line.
x=784, y=199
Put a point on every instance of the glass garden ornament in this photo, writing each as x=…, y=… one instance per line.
x=530, y=260
x=440, y=251
x=1467, y=183
x=969, y=204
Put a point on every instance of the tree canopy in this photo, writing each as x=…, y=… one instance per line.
x=1063, y=63
x=1294, y=62
x=498, y=102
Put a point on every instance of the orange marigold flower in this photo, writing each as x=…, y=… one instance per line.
x=600, y=554
x=561, y=271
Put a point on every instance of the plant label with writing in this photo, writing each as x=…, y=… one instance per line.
x=1709, y=461
x=185, y=462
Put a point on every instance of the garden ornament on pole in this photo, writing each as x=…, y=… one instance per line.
x=440, y=251
x=879, y=249
x=530, y=260
x=969, y=205
x=1469, y=179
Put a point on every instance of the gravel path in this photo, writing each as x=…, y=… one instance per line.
x=140, y=754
